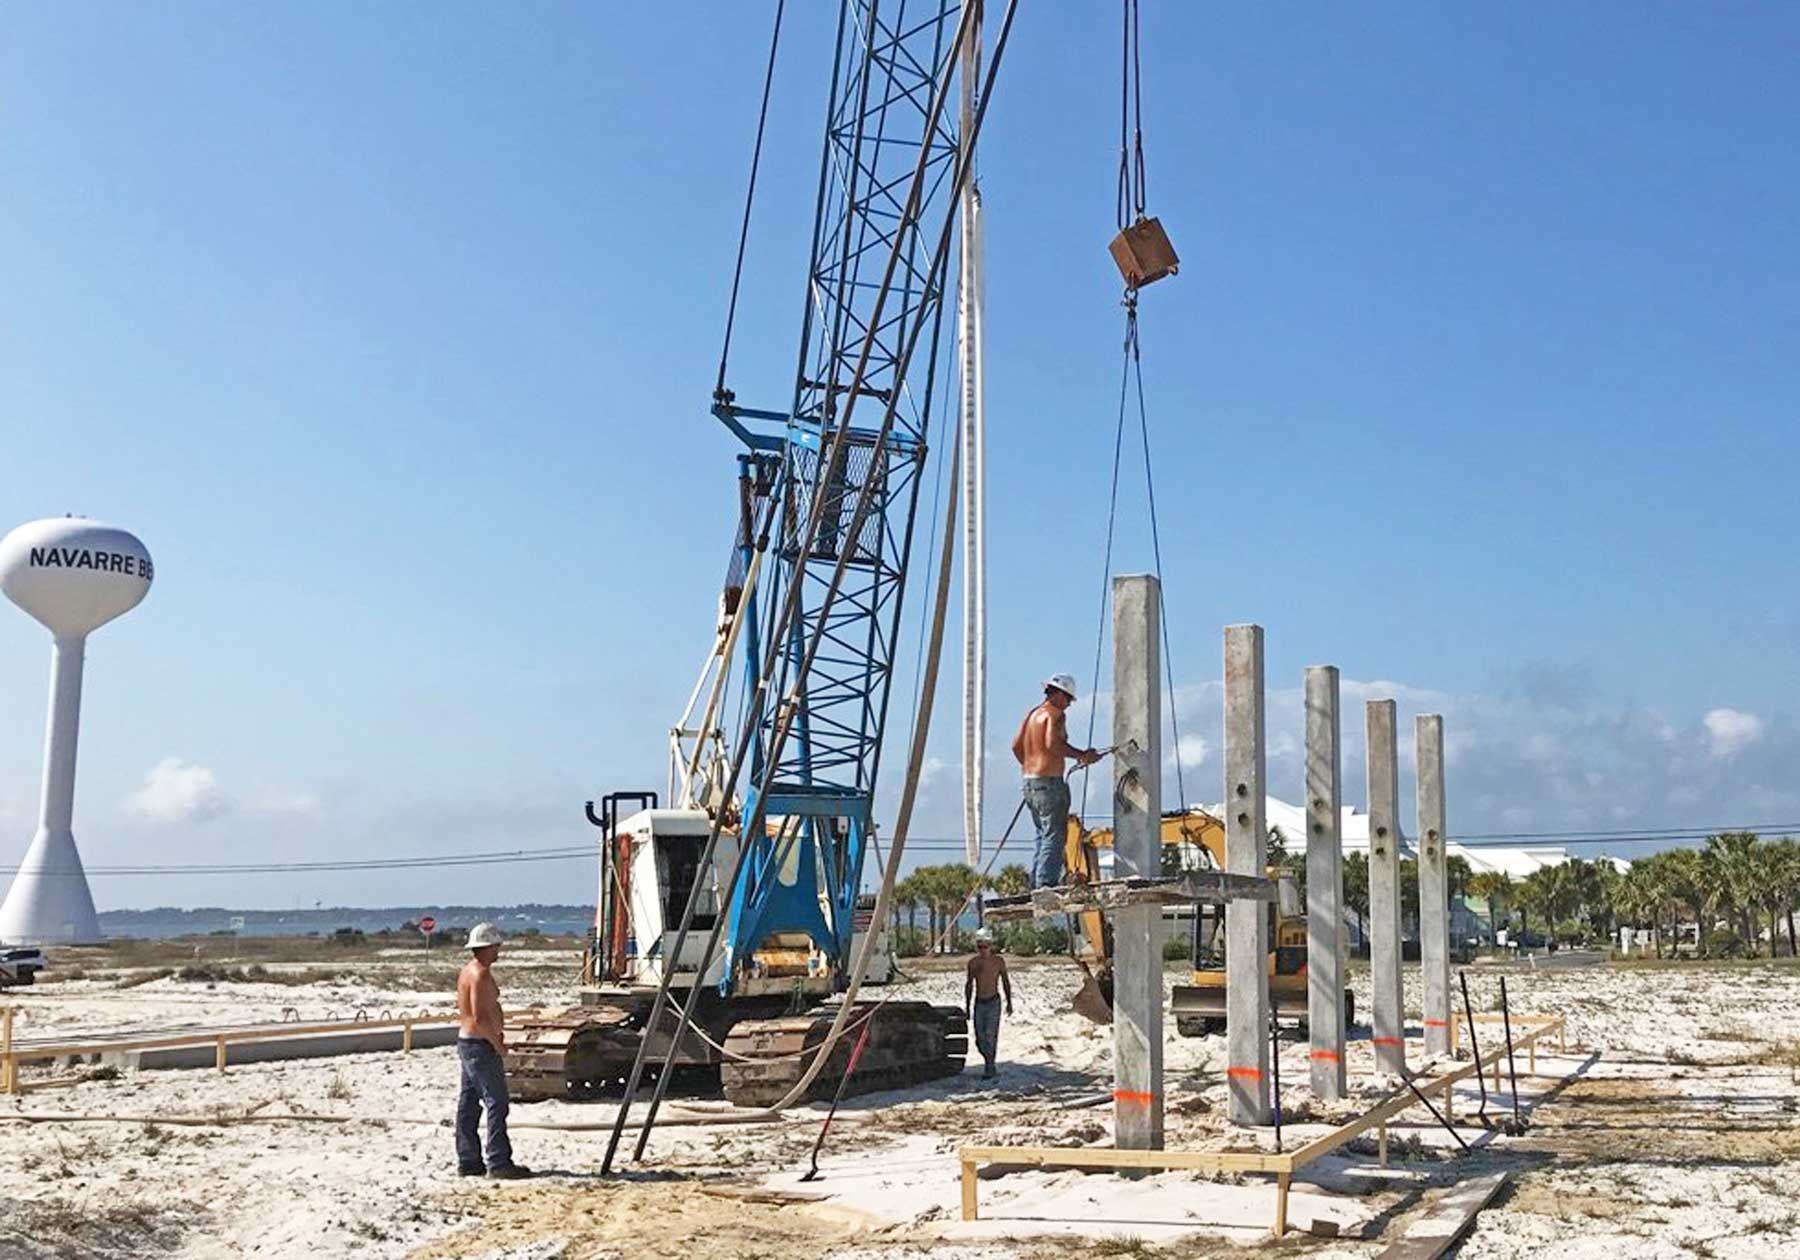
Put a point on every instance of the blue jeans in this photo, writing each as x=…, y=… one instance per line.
x=987, y=1028
x=483, y=1085
x=1047, y=798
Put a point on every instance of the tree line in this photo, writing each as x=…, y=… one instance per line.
x=1738, y=889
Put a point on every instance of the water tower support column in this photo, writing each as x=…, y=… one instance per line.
x=49, y=897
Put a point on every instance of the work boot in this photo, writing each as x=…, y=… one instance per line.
x=470, y=1170
x=512, y=1172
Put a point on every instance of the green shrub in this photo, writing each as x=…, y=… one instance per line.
x=909, y=942
x=1723, y=944
x=1177, y=948
x=1023, y=940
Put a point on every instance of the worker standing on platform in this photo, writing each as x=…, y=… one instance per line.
x=981, y=996
x=1041, y=747
x=481, y=1050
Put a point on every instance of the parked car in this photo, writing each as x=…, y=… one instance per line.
x=20, y=966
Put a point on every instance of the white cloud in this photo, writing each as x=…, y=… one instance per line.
x=1730, y=731
x=179, y=791
x=1194, y=750
x=285, y=800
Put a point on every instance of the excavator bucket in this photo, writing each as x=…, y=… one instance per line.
x=1093, y=1000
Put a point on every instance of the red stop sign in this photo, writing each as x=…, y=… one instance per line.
x=427, y=924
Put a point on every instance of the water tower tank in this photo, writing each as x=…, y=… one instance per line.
x=73, y=575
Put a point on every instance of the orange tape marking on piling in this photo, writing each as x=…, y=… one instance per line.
x=1245, y=1073
x=1388, y=1041
x=1330, y=1056
x=1132, y=1096
x=1436, y=1023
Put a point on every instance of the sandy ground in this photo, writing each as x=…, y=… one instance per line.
x=1670, y=1129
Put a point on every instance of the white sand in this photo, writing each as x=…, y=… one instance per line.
x=1688, y=1158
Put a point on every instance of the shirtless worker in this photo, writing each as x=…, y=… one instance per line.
x=481, y=1049
x=981, y=996
x=1041, y=747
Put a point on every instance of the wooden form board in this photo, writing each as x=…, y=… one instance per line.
x=1283, y=1165
x=1434, y=1233
x=11, y=1055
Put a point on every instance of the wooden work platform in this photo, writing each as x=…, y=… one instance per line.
x=1115, y=894
x=1529, y=1030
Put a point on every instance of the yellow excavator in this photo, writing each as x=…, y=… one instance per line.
x=1199, y=1005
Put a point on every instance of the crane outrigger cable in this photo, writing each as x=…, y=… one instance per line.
x=779, y=652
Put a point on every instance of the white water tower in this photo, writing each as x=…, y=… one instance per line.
x=74, y=576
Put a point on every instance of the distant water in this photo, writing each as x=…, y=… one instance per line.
x=168, y=921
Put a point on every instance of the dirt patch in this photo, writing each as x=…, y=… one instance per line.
x=56, y=1227
x=1642, y=1120
x=602, y=1220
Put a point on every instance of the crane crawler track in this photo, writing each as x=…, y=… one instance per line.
x=909, y=1042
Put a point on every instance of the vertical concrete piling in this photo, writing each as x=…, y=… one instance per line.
x=1324, y=884
x=1388, y=1016
x=1246, y=853
x=1137, y=850
x=1434, y=882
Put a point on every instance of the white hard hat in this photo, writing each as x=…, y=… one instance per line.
x=983, y=936
x=483, y=934
x=1062, y=682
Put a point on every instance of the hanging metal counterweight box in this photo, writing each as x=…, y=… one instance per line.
x=1144, y=254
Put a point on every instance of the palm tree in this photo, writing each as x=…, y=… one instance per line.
x=1493, y=887
x=1789, y=850
x=1012, y=880
x=1356, y=890
x=1728, y=881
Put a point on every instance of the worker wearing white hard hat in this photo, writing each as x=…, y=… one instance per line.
x=1041, y=748
x=481, y=1056
x=985, y=978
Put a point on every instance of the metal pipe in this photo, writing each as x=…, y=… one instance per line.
x=1511, y=1067
x=1474, y=1044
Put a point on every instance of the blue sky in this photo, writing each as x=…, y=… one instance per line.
x=391, y=330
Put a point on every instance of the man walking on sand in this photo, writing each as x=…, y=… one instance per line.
x=481, y=1049
x=1041, y=747
x=981, y=996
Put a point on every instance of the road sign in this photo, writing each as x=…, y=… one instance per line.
x=427, y=925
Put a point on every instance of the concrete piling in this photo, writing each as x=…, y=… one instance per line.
x=1388, y=1016
x=1324, y=884
x=1137, y=850
x=1246, y=853
x=1434, y=883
